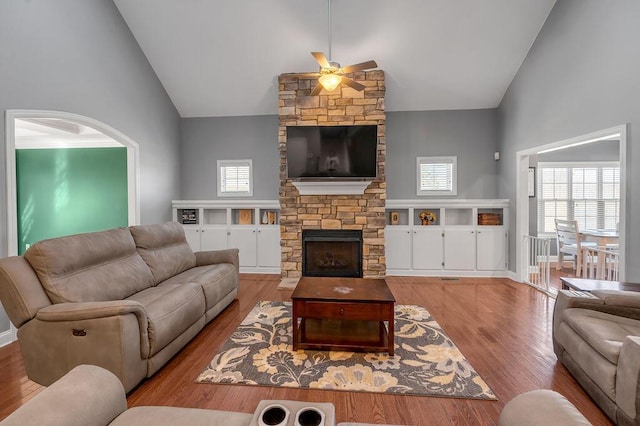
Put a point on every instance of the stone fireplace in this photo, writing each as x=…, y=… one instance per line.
x=363, y=212
x=331, y=253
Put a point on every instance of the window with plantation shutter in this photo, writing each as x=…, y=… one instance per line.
x=235, y=178
x=586, y=192
x=437, y=175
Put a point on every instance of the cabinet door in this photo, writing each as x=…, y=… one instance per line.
x=492, y=249
x=427, y=248
x=397, y=247
x=269, y=247
x=460, y=249
x=244, y=239
x=193, y=237
x=213, y=238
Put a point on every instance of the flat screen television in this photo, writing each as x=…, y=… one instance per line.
x=332, y=152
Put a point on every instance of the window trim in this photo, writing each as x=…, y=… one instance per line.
x=453, y=160
x=237, y=163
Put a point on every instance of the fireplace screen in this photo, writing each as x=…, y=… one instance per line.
x=332, y=253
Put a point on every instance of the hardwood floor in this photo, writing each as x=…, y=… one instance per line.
x=503, y=328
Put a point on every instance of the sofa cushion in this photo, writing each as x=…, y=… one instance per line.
x=603, y=332
x=216, y=281
x=164, y=248
x=171, y=309
x=598, y=368
x=97, y=266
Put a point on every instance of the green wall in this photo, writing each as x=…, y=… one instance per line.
x=69, y=191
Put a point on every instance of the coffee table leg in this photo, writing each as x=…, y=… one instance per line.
x=294, y=319
x=391, y=327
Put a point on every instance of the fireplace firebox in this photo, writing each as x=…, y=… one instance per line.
x=331, y=253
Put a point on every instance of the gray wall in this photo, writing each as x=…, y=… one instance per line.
x=468, y=134
x=581, y=75
x=80, y=57
x=206, y=140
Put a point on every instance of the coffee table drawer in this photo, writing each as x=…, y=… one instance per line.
x=351, y=311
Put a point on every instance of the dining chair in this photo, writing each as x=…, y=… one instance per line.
x=601, y=263
x=570, y=242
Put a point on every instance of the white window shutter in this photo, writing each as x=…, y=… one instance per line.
x=235, y=178
x=436, y=175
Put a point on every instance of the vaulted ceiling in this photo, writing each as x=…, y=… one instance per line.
x=222, y=58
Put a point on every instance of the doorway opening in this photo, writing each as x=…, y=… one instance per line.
x=527, y=207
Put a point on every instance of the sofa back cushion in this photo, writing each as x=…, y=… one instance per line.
x=90, y=267
x=164, y=248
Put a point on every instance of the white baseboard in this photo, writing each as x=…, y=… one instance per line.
x=441, y=273
x=8, y=336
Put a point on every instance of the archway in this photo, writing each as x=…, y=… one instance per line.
x=70, y=119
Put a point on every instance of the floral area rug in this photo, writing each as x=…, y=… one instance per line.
x=426, y=361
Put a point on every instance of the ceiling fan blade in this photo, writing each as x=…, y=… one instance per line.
x=359, y=67
x=316, y=91
x=306, y=74
x=352, y=83
x=321, y=59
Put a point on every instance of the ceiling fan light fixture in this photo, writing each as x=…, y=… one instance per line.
x=330, y=81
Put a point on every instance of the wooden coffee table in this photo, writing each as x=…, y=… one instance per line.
x=333, y=313
x=584, y=284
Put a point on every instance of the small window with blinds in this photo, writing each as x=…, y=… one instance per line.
x=235, y=178
x=437, y=175
x=586, y=192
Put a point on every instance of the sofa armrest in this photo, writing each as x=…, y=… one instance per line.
x=628, y=376
x=86, y=395
x=91, y=310
x=79, y=311
x=567, y=299
x=204, y=258
x=626, y=299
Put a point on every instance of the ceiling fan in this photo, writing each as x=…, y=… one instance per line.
x=331, y=74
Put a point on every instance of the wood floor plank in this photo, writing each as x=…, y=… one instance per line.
x=503, y=328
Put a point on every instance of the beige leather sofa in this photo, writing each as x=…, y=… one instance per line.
x=92, y=396
x=126, y=299
x=597, y=338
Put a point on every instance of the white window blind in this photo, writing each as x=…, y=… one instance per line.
x=235, y=178
x=436, y=175
x=586, y=192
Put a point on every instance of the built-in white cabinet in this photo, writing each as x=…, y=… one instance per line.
x=268, y=255
x=459, y=249
x=446, y=237
x=427, y=248
x=491, y=243
x=398, y=247
x=253, y=227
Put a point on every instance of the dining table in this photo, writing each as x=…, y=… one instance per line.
x=602, y=237
x=607, y=241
